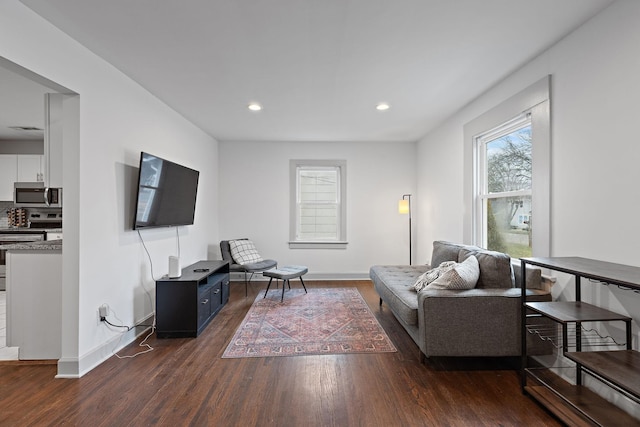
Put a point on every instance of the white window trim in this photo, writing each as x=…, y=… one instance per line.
x=341, y=243
x=535, y=99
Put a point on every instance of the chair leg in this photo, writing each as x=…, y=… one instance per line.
x=246, y=285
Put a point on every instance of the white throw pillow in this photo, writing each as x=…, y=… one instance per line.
x=244, y=252
x=433, y=274
x=462, y=276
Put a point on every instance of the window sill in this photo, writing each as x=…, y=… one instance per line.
x=318, y=245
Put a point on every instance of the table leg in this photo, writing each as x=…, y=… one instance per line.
x=283, y=286
x=265, y=292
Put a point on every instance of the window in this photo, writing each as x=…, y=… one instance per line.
x=318, y=190
x=503, y=157
x=507, y=155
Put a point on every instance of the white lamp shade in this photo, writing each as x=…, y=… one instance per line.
x=403, y=206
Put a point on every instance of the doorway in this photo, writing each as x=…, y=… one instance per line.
x=24, y=115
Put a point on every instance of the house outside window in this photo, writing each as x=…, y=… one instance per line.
x=503, y=157
x=318, y=204
x=507, y=181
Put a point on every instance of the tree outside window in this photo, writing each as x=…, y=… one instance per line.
x=505, y=193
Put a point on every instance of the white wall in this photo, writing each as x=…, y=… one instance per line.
x=595, y=154
x=254, y=200
x=104, y=261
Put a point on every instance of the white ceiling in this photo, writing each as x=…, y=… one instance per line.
x=318, y=67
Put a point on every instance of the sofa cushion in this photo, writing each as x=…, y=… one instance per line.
x=244, y=252
x=394, y=284
x=463, y=275
x=495, y=267
x=447, y=251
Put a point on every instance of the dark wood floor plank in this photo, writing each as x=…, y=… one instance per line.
x=186, y=382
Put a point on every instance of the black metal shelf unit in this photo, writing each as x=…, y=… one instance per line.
x=618, y=369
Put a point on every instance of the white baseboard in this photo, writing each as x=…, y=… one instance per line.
x=76, y=367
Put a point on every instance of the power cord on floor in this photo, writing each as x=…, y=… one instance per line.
x=143, y=343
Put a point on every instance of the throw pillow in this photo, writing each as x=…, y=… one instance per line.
x=463, y=275
x=244, y=252
x=495, y=268
x=431, y=275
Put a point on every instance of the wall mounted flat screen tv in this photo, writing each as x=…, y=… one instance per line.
x=166, y=193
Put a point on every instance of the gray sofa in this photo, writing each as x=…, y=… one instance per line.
x=483, y=321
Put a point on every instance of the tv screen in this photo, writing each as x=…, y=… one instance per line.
x=166, y=193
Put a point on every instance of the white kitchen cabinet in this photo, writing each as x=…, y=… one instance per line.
x=34, y=303
x=18, y=167
x=53, y=139
x=8, y=175
x=30, y=168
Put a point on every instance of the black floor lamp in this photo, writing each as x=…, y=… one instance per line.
x=404, y=207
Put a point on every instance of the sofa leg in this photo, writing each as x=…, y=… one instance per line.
x=423, y=358
x=380, y=302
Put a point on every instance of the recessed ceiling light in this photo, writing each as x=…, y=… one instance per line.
x=254, y=106
x=383, y=106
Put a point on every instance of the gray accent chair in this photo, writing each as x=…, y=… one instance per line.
x=256, y=267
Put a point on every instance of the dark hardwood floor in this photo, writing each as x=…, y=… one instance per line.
x=185, y=382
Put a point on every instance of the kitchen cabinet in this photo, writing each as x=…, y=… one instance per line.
x=19, y=167
x=53, y=139
x=30, y=168
x=8, y=175
x=34, y=303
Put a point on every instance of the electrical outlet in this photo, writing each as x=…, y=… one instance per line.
x=103, y=311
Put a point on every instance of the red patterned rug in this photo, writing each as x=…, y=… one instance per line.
x=324, y=321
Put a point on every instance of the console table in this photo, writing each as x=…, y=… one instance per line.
x=185, y=305
x=618, y=369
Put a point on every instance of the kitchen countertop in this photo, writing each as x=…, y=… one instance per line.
x=48, y=245
x=29, y=230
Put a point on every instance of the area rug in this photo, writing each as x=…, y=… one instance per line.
x=324, y=321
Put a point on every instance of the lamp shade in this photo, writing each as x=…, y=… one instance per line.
x=403, y=206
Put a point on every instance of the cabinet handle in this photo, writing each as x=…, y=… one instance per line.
x=205, y=301
x=217, y=292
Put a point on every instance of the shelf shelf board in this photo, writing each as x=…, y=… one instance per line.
x=609, y=272
x=621, y=367
x=574, y=311
x=575, y=405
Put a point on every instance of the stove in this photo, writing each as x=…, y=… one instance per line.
x=45, y=218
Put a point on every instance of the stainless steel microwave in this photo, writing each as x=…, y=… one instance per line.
x=36, y=195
